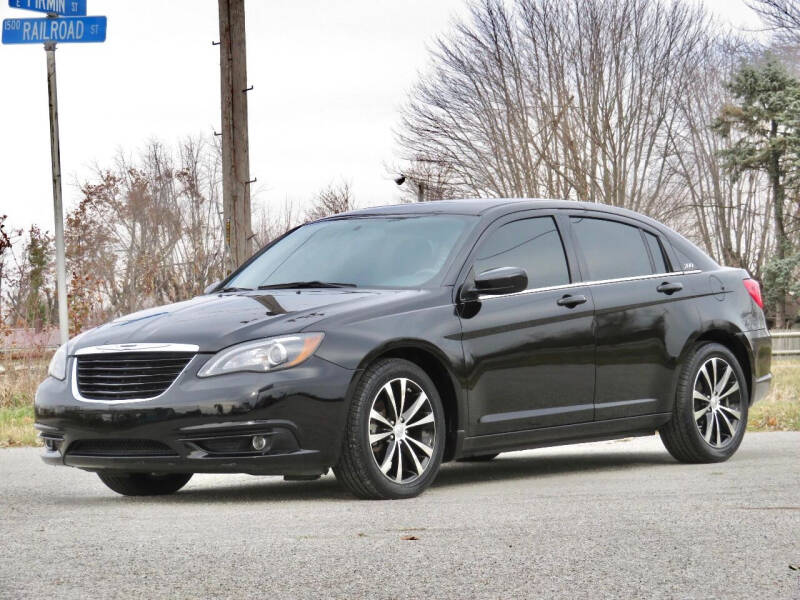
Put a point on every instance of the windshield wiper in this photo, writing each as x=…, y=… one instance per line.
x=234, y=289
x=305, y=284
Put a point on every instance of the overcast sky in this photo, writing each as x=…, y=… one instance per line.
x=329, y=76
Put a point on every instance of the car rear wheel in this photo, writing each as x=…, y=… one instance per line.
x=711, y=406
x=144, y=484
x=395, y=432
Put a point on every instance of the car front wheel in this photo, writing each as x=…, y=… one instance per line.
x=144, y=484
x=395, y=432
x=711, y=406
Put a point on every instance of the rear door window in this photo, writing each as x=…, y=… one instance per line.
x=530, y=244
x=611, y=250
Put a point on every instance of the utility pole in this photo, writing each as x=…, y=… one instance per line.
x=235, y=152
x=58, y=210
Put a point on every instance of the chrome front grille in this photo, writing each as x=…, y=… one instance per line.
x=128, y=375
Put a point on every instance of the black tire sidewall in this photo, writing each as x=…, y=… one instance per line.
x=386, y=371
x=686, y=401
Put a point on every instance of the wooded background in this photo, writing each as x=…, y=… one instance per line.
x=650, y=105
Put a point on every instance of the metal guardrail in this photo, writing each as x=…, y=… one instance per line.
x=30, y=349
x=785, y=343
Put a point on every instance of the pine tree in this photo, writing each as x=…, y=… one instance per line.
x=765, y=123
x=38, y=303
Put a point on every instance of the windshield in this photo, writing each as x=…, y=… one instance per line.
x=397, y=252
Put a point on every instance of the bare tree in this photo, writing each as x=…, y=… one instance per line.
x=271, y=221
x=332, y=200
x=6, y=249
x=730, y=218
x=781, y=16
x=431, y=179
x=570, y=99
x=29, y=283
x=146, y=231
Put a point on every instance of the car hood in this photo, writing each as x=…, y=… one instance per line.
x=216, y=321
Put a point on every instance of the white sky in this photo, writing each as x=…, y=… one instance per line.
x=329, y=77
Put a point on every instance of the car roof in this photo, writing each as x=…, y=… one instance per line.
x=497, y=207
x=484, y=206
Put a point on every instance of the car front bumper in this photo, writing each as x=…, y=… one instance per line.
x=203, y=425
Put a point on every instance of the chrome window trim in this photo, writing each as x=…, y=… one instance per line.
x=123, y=348
x=138, y=347
x=576, y=284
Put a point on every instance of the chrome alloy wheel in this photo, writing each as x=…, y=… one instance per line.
x=717, y=402
x=402, y=431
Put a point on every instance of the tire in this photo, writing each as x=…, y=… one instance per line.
x=710, y=415
x=479, y=459
x=363, y=468
x=145, y=484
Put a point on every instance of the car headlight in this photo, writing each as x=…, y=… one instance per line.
x=58, y=364
x=271, y=354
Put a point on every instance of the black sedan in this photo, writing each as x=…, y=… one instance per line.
x=385, y=341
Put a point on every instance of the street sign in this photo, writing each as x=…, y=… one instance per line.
x=61, y=30
x=65, y=8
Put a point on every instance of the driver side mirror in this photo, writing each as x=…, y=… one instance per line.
x=212, y=287
x=495, y=282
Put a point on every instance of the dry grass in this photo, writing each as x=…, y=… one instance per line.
x=780, y=411
x=16, y=427
x=18, y=383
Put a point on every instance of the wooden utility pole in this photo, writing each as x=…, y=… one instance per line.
x=235, y=152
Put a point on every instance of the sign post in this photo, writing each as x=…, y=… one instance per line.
x=71, y=27
x=58, y=209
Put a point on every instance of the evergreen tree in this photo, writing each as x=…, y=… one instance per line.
x=765, y=124
x=39, y=298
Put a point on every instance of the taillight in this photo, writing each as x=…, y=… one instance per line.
x=754, y=290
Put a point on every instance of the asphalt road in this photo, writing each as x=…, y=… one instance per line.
x=607, y=520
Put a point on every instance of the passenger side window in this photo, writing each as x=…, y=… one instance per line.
x=657, y=253
x=611, y=250
x=530, y=244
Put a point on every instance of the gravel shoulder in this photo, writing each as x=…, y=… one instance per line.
x=604, y=520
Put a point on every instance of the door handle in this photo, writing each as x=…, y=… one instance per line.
x=669, y=288
x=571, y=301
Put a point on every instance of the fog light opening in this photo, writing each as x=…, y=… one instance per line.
x=51, y=444
x=259, y=442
